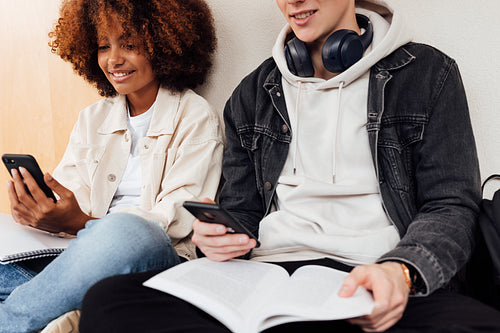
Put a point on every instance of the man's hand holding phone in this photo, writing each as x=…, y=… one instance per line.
x=216, y=243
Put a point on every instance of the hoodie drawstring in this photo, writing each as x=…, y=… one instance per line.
x=295, y=130
x=337, y=132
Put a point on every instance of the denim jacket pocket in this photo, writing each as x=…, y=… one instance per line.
x=396, y=139
x=248, y=137
x=251, y=135
x=401, y=131
x=268, y=148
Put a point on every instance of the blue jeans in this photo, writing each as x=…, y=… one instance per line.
x=115, y=244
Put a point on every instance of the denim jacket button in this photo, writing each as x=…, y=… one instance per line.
x=268, y=186
x=284, y=128
x=111, y=177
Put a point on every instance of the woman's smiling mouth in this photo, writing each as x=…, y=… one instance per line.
x=120, y=76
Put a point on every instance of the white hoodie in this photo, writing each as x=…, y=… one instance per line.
x=328, y=199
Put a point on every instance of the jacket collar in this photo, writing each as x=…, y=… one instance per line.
x=397, y=59
x=162, y=121
x=273, y=79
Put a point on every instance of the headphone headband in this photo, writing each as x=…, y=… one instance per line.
x=365, y=23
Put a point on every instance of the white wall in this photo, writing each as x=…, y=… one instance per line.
x=41, y=96
x=246, y=31
x=468, y=31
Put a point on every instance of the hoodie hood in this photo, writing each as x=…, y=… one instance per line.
x=389, y=34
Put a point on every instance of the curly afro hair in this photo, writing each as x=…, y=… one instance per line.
x=177, y=35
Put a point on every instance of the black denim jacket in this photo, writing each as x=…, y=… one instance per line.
x=422, y=146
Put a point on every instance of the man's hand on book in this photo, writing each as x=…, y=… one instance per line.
x=214, y=241
x=40, y=212
x=387, y=283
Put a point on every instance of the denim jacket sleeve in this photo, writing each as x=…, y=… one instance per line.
x=444, y=172
x=239, y=193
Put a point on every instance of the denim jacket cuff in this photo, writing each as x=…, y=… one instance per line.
x=424, y=263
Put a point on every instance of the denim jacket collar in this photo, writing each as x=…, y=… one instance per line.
x=398, y=59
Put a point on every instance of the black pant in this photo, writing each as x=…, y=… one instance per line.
x=122, y=304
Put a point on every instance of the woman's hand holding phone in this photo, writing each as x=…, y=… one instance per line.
x=216, y=243
x=30, y=205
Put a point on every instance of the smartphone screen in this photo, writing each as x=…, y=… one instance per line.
x=14, y=161
x=213, y=213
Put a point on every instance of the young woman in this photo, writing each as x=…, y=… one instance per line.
x=132, y=160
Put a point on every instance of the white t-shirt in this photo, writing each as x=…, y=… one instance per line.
x=128, y=192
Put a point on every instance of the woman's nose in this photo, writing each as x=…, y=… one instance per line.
x=115, y=56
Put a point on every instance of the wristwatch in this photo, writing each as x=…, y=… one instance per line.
x=408, y=279
x=412, y=279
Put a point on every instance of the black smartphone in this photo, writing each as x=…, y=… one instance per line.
x=213, y=213
x=14, y=161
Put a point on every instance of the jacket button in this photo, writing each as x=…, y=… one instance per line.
x=268, y=186
x=111, y=177
x=278, y=94
x=284, y=128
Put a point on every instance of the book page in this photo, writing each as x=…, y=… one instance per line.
x=229, y=291
x=16, y=239
x=311, y=294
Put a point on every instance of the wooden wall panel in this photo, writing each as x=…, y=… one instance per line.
x=39, y=93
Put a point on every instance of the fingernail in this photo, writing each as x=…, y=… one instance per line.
x=243, y=240
x=49, y=176
x=220, y=230
x=22, y=170
x=13, y=172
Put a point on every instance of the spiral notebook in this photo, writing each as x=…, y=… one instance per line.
x=18, y=242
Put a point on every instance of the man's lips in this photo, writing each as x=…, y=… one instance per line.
x=303, y=15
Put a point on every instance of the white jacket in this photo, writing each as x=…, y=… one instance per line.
x=180, y=160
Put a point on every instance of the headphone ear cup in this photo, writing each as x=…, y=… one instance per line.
x=298, y=59
x=342, y=50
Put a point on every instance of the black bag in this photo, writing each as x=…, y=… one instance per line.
x=483, y=270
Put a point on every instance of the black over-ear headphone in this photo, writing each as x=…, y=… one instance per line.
x=341, y=50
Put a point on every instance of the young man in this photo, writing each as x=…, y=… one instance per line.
x=352, y=148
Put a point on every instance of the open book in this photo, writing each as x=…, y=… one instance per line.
x=18, y=242
x=248, y=296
